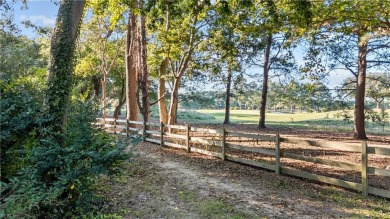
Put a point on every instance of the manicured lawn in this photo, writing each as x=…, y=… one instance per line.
x=315, y=121
x=252, y=116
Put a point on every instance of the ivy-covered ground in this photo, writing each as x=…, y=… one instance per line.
x=168, y=183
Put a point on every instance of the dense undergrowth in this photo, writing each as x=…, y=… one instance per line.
x=44, y=178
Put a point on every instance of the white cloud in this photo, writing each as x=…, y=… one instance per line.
x=39, y=19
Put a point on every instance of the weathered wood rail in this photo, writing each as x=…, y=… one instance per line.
x=218, y=143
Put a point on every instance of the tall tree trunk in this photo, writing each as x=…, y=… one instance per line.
x=122, y=101
x=144, y=74
x=175, y=90
x=104, y=95
x=96, y=87
x=227, y=98
x=131, y=73
x=118, y=108
x=174, y=102
x=182, y=67
x=58, y=85
x=61, y=64
x=162, y=104
x=359, y=123
x=264, y=90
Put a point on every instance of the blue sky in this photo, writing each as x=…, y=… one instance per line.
x=39, y=12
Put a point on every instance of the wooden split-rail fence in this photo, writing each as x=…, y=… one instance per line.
x=244, y=148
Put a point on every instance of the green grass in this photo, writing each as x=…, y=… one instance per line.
x=362, y=207
x=252, y=116
x=219, y=210
x=187, y=196
x=317, y=121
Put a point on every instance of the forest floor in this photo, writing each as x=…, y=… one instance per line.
x=170, y=183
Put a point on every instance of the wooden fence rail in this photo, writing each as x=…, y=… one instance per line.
x=179, y=136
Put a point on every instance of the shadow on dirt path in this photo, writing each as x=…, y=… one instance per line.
x=168, y=183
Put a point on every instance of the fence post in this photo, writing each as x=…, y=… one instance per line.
x=144, y=132
x=277, y=154
x=364, y=169
x=188, y=128
x=162, y=134
x=223, y=142
x=127, y=128
x=114, y=126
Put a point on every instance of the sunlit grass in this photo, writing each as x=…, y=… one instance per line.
x=252, y=116
x=313, y=121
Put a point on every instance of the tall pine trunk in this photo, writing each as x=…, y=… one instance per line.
x=144, y=74
x=131, y=73
x=227, y=98
x=359, y=123
x=104, y=95
x=264, y=90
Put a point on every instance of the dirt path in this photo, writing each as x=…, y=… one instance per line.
x=167, y=183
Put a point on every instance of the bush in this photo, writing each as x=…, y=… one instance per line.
x=194, y=115
x=20, y=104
x=378, y=118
x=370, y=114
x=58, y=179
x=345, y=115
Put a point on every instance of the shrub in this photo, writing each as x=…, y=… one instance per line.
x=20, y=103
x=370, y=114
x=58, y=180
x=194, y=115
x=379, y=118
x=345, y=115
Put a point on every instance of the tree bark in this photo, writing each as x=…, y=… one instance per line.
x=104, y=95
x=96, y=86
x=61, y=64
x=144, y=74
x=162, y=104
x=264, y=90
x=174, y=102
x=359, y=123
x=227, y=98
x=122, y=101
x=175, y=90
x=118, y=108
x=131, y=73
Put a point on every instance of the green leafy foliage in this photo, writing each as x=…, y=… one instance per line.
x=345, y=115
x=22, y=76
x=57, y=180
x=18, y=118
